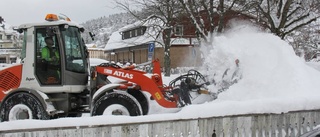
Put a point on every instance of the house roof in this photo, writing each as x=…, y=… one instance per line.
x=93, y=47
x=153, y=27
x=131, y=26
x=5, y=28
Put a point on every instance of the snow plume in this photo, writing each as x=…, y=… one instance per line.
x=271, y=73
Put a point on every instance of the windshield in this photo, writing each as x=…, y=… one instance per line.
x=74, y=50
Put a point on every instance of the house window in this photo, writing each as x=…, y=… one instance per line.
x=142, y=30
x=133, y=33
x=125, y=35
x=8, y=37
x=178, y=30
x=136, y=32
x=0, y=36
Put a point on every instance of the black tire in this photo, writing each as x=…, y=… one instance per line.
x=24, y=106
x=142, y=100
x=123, y=99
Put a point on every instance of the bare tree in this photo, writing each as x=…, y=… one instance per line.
x=164, y=10
x=1, y=20
x=282, y=17
x=306, y=41
x=279, y=16
x=209, y=16
x=197, y=9
x=103, y=27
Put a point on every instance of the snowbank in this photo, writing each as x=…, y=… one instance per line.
x=274, y=79
x=97, y=61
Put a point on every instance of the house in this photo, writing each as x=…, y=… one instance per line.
x=10, y=44
x=96, y=52
x=130, y=43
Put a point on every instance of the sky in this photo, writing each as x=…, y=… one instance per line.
x=16, y=12
x=273, y=80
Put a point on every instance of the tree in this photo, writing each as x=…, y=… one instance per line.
x=294, y=21
x=208, y=16
x=1, y=20
x=103, y=27
x=306, y=41
x=279, y=16
x=164, y=10
x=282, y=17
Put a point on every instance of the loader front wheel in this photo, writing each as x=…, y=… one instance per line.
x=116, y=103
x=22, y=105
x=142, y=99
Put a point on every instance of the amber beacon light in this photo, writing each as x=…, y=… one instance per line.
x=54, y=17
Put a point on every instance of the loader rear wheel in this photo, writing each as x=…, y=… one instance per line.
x=22, y=105
x=116, y=103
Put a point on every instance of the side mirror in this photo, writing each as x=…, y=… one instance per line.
x=86, y=52
x=18, y=30
x=92, y=35
x=81, y=29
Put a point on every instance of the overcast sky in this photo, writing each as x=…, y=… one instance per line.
x=16, y=12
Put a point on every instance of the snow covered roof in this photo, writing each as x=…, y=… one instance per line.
x=153, y=28
x=91, y=46
x=94, y=47
x=6, y=28
x=131, y=26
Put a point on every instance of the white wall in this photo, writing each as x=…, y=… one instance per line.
x=252, y=125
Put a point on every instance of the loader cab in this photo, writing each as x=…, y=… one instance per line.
x=48, y=57
x=65, y=63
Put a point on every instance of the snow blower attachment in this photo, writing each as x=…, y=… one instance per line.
x=184, y=85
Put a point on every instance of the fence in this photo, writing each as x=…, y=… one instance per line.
x=290, y=124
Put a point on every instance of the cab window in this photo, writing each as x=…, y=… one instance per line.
x=74, y=51
x=48, y=63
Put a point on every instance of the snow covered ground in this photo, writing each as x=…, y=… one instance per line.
x=273, y=80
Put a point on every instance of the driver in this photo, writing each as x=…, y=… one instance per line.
x=48, y=53
x=51, y=57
